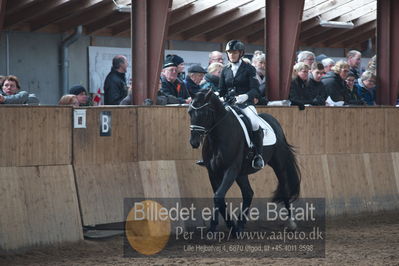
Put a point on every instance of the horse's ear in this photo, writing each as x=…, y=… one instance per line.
x=208, y=95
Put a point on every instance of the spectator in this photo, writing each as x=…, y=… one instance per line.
x=128, y=100
x=307, y=57
x=259, y=62
x=366, y=87
x=334, y=81
x=216, y=57
x=2, y=78
x=172, y=89
x=11, y=93
x=317, y=91
x=350, y=85
x=115, y=87
x=81, y=94
x=195, y=75
x=69, y=99
x=179, y=62
x=211, y=79
x=354, y=63
x=328, y=64
x=301, y=92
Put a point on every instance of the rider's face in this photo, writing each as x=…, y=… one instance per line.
x=234, y=55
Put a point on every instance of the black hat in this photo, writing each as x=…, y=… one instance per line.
x=168, y=63
x=196, y=69
x=175, y=59
x=76, y=90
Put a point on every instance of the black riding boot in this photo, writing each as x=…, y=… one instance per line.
x=257, y=162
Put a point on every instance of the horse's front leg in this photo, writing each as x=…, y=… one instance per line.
x=219, y=198
x=215, y=180
x=247, y=195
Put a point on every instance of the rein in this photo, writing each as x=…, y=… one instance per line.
x=201, y=129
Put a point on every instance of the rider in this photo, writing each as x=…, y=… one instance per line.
x=238, y=79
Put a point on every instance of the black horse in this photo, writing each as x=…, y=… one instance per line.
x=225, y=154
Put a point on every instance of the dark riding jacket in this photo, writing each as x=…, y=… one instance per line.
x=176, y=89
x=244, y=81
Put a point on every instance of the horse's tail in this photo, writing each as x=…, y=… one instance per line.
x=284, y=164
x=289, y=187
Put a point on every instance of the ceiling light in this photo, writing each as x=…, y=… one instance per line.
x=337, y=24
x=124, y=9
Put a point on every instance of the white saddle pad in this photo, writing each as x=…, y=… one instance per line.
x=268, y=132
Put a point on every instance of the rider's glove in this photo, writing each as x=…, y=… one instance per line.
x=241, y=98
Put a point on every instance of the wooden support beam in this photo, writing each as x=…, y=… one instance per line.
x=179, y=4
x=359, y=37
x=205, y=16
x=61, y=12
x=3, y=4
x=86, y=16
x=387, y=51
x=150, y=25
x=193, y=10
x=246, y=31
x=14, y=5
x=346, y=12
x=122, y=26
x=108, y=21
x=224, y=20
x=35, y=10
x=371, y=26
x=283, y=22
x=322, y=8
x=234, y=26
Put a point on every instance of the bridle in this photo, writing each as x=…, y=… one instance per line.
x=200, y=129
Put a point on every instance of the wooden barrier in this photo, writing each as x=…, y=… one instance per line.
x=35, y=135
x=349, y=156
x=38, y=200
x=38, y=206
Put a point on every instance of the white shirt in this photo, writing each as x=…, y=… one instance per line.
x=235, y=66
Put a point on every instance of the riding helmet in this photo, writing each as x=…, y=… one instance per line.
x=235, y=45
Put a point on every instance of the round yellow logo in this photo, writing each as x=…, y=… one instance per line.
x=148, y=227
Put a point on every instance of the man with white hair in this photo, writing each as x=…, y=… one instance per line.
x=216, y=57
x=328, y=64
x=307, y=57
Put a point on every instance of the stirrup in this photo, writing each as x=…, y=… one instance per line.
x=200, y=163
x=257, y=158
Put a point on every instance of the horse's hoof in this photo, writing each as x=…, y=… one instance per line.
x=212, y=229
x=240, y=227
x=292, y=226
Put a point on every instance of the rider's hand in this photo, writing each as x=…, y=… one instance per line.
x=241, y=98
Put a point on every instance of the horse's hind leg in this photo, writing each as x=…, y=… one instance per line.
x=247, y=195
x=282, y=194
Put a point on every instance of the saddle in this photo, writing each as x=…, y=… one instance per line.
x=269, y=135
x=244, y=119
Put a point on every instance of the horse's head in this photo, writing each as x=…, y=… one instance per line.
x=201, y=116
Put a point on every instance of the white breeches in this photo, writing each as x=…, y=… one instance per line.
x=252, y=114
